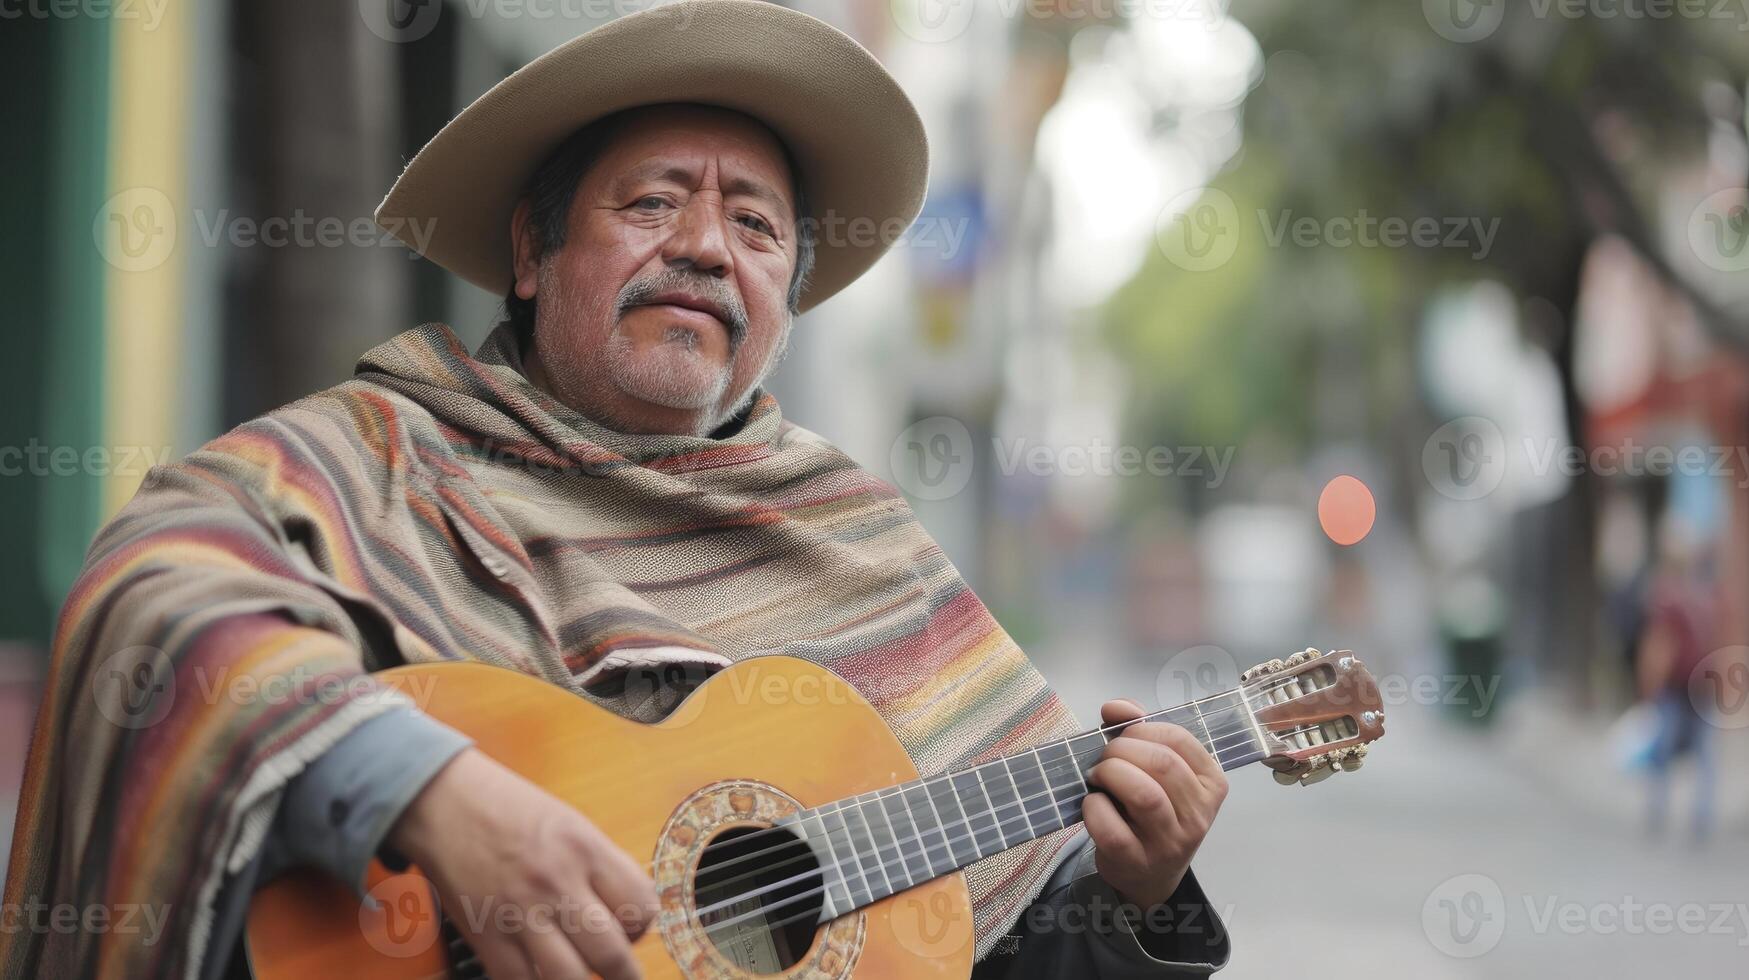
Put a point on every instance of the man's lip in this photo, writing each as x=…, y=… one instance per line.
x=685, y=308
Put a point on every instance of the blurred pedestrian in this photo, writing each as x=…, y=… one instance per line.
x=1681, y=619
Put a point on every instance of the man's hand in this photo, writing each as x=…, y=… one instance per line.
x=490, y=839
x=1169, y=789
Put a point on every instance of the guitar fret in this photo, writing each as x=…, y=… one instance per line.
x=1001, y=808
x=1019, y=801
x=1058, y=757
x=911, y=853
x=861, y=890
x=943, y=864
x=986, y=833
x=1208, y=735
x=889, y=843
x=955, y=826
x=928, y=827
x=840, y=902
x=1038, y=801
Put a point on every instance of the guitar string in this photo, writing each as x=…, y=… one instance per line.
x=1020, y=802
x=873, y=854
x=925, y=784
x=1243, y=691
x=838, y=865
x=917, y=837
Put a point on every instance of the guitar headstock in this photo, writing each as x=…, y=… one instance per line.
x=1316, y=711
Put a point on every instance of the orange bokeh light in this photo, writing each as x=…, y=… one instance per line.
x=1346, y=510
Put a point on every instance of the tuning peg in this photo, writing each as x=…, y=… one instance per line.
x=1309, y=653
x=1317, y=775
x=1268, y=667
x=1286, y=777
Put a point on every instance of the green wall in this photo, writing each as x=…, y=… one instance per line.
x=54, y=77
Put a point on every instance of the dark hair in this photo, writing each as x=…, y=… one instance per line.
x=553, y=186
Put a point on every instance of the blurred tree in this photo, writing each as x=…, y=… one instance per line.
x=1564, y=128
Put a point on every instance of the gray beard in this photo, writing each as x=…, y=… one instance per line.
x=660, y=381
x=662, y=384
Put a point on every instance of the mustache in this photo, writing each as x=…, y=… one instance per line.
x=641, y=290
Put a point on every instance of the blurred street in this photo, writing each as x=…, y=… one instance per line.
x=1334, y=880
x=1227, y=328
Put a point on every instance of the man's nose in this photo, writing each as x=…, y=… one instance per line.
x=699, y=240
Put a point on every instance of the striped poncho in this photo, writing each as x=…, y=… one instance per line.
x=438, y=506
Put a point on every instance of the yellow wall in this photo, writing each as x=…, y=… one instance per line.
x=144, y=232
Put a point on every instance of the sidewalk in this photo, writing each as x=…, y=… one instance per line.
x=1570, y=756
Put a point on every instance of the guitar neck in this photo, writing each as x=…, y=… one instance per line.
x=877, y=844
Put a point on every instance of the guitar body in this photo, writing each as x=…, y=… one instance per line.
x=756, y=742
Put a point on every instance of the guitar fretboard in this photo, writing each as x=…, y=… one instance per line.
x=881, y=843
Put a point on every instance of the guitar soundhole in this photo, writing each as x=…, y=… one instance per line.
x=758, y=892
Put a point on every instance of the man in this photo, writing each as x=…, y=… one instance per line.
x=602, y=496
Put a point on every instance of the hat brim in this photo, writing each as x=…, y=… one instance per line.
x=855, y=136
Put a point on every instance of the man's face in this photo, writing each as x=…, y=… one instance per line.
x=668, y=302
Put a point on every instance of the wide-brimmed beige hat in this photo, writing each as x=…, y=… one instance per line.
x=855, y=136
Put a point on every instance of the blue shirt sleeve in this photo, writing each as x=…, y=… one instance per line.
x=337, y=812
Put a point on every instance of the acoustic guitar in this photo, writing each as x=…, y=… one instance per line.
x=785, y=827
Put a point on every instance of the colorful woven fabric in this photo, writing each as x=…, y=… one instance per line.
x=435, y=507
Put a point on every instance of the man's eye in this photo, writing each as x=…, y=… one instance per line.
x=756, y=223
x=650, y=203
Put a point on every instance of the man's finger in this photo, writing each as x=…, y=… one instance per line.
x=1143, y=800
x=1165, y=766
x=1181, y=741
x=1121, y=710
x=625, y=888
x=603, y=942
x=550, y=950
x=502, y=956
x=1112, y=837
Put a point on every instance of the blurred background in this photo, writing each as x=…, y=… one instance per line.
x=1227, y=330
